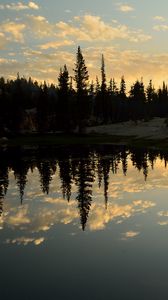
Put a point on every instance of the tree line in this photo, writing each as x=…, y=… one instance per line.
x=75, y=102
x=77, y=166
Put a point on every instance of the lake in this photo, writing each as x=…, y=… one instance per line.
x=83, y=222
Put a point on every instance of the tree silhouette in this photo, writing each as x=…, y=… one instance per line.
x=84, y=182
x=122, y=92
x=81, y=79
x=66, y=178
x=20, y=171
x=45, y=175
x=63, y=99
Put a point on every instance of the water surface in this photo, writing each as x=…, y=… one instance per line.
x=84, y=223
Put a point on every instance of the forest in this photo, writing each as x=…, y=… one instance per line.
x=75, y=102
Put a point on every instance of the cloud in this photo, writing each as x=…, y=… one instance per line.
x=159, y=18
x=68, y=11
x=33, y=5
x=20, y=217
x=87, y=28
x=132, y=63
x=92, y=28
x=14, y=31
x=163, y=213
x=7, y=61
x=25, y=241
x=162, y=27
x=125, y=8
x=3, y=41
x=39, y=26
x=99, y=218
x=163, y=223
x=20, y=6
x=129, y=234
x=56, y=44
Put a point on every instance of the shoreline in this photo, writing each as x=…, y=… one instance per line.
x=153, y=133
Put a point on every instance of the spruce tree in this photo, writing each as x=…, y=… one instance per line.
x=104, y=95
x=63, y=80
x=103, y=74
x=81, y=74
x=81, y=79
x=122, y=92
x=63, y=116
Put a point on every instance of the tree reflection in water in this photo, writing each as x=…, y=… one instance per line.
x=81, y=166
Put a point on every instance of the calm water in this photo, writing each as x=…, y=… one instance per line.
x=83, y=223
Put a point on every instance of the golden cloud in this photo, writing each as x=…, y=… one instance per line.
x=14, y=31
x=162, y=27
x=39, y=26
x=56, y=44
x=3, y=41
x=25, y=241
x=20, y=6
x=159, y=18
x=93, y=28
x=129, y=234
x=99, y=217
x=125, y=8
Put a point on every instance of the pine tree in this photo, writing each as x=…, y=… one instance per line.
x=103, y=74
x=81, y=74
x=122, y=92
x=97, y=86
x=63, y=114
x=114, y=88
x=63, y=80
x=81, y=79
x=104, y=94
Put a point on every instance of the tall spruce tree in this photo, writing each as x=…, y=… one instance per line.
x=103, y=75
x=104, y=95
x=81, y=79
x=81, y=74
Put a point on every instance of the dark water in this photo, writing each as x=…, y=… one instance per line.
x=83, y=223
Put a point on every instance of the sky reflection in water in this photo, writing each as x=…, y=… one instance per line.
x=127, y=197
x=96, y=213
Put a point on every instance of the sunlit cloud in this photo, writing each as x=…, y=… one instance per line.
x=99, y=217
x=20, y=6
x=125, y=8
x=25, y=241
x=3, y=41
x=7, y=61
x=163, y=213
x=129, y=235
x=159, y=18
x=39, y=26
x=13, y=30
x=20, y=217
x=33, y=5
x=93, y=28
x=163, y=223
x=133, y=64
x=56, y=44
x=162, y=27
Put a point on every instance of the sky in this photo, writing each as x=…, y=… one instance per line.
x=38, y=37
